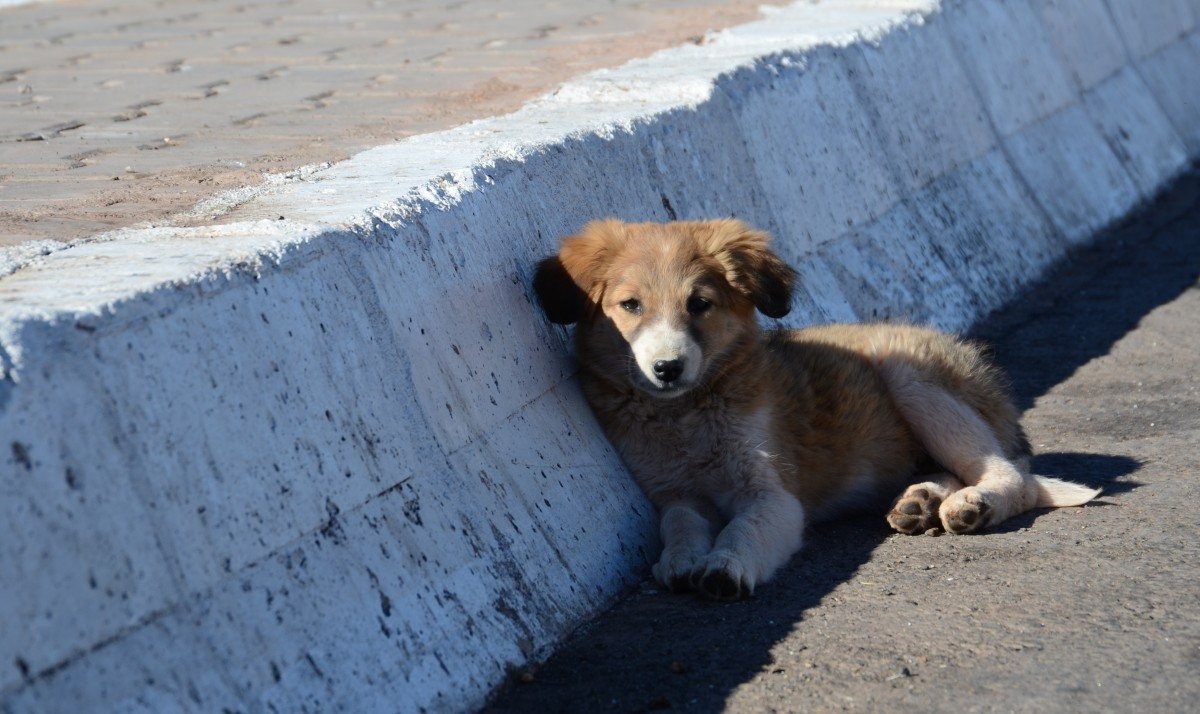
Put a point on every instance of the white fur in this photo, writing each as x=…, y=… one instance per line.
x=663, y=341
x=1055, y=492
x=687, y=537
x=764, y=533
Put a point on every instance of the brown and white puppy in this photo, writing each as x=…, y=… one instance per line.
x=738, y=435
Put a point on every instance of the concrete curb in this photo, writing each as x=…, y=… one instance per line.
x=337, y=462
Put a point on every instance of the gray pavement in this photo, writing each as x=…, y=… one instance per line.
x=129, y=112
x=1092, y=609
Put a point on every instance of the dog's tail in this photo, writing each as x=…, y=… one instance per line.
x=1055, y=493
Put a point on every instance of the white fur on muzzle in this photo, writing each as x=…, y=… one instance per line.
x=662, y=342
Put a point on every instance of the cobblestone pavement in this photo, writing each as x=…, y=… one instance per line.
x=1093, y=609
x=120, y=112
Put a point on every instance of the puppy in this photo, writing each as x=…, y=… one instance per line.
x=739, y=435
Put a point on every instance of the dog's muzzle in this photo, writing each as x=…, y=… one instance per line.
x=667, y=357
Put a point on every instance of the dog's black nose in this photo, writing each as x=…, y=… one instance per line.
x=668, y=370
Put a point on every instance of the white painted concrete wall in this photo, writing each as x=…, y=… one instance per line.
x=338, y=462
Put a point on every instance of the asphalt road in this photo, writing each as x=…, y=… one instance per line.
x=1077, y=610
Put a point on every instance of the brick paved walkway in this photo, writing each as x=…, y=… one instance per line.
x=127, y=112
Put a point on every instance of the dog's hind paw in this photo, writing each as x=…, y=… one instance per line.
x=966, y=511
x=916, y=511
x=722, y=576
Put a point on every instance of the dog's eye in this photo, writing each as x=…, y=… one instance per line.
x=697, y=305
x=632, y=305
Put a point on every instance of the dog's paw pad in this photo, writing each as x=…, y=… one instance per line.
x=720, y=585
x=965, y=512
x=722, y=577
x=915, y=512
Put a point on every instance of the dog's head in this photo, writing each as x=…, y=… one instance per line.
x=659, y=305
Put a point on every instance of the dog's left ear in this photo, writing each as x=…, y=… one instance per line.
x=568, y=283
x=750, y=265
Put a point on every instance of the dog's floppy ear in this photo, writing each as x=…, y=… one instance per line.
x=751, y=266
x=566, y=283
x=557, y=293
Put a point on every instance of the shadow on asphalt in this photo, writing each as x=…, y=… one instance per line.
x=636, y=661
x=598, y=669
x=1094, y=470
x=1095, y=296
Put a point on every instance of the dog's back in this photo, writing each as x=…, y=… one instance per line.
x=959, y=366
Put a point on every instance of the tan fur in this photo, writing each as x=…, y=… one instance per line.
x=737, y=434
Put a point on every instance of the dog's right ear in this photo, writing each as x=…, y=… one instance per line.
x=567, y=283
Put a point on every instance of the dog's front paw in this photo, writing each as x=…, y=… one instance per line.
x=916, y=511
x=674, y=570
x=966, y=511
x=723, y=576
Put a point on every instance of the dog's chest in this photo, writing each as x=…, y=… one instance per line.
x=709, y=452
